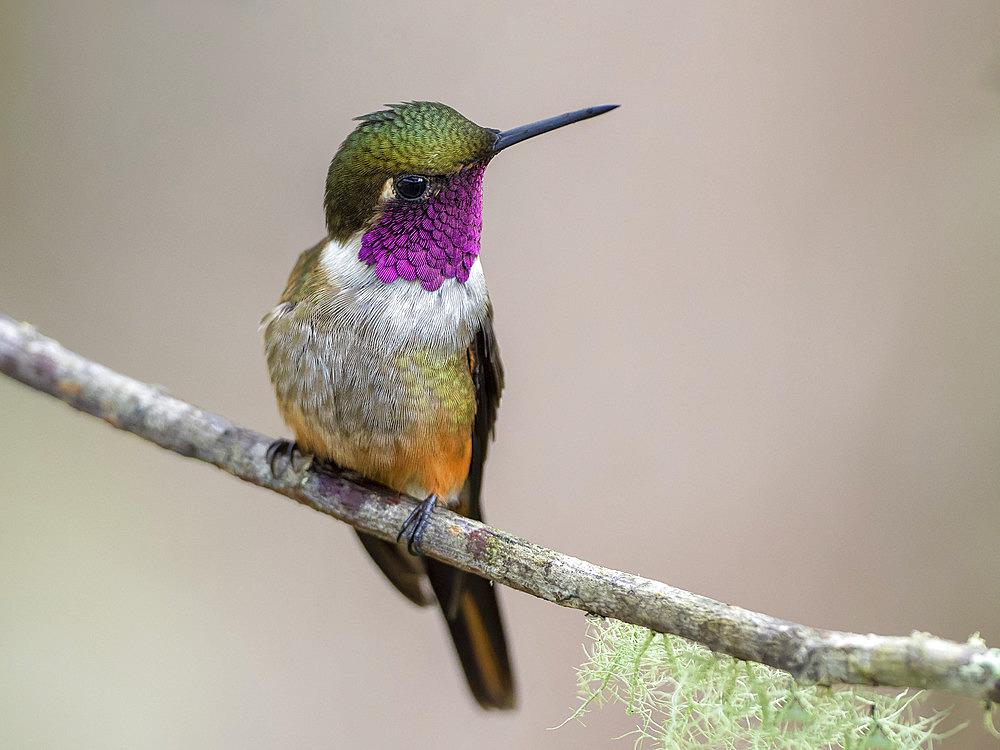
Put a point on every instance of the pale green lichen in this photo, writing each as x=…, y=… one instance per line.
x=685, y=696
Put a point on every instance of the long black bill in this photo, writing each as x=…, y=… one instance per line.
x=516, y=135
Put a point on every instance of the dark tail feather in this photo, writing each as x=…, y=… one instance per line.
x=404, y=571
x=470, y=607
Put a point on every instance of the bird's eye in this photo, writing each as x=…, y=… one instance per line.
x=410, y=186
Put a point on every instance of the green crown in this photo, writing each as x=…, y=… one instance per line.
x=416, y=137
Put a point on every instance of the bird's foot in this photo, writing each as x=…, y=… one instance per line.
x=414, y=525
x=281, y=448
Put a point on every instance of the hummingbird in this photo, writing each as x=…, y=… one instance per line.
x=382, y=354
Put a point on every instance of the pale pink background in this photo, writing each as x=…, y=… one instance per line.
x=750, y=322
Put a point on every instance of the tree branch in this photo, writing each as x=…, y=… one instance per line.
x=809, y=654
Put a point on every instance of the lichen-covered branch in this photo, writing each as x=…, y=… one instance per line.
x=809, y=654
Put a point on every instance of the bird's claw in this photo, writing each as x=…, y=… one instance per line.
x=280, y=448
x=415, y=524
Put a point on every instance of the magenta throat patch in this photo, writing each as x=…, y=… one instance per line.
x=429, y=240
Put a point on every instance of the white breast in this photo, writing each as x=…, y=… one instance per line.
x=402, y=314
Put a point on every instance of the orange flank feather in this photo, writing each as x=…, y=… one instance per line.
x=427, y=461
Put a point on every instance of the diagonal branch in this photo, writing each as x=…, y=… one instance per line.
x=809, y=654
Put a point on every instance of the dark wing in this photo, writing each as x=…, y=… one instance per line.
x=469, y=602
x=404, y=571
x=487, y=376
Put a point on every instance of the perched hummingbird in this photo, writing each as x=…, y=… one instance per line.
x=381, y=351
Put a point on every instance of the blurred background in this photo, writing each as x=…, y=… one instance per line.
x=749, y=322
